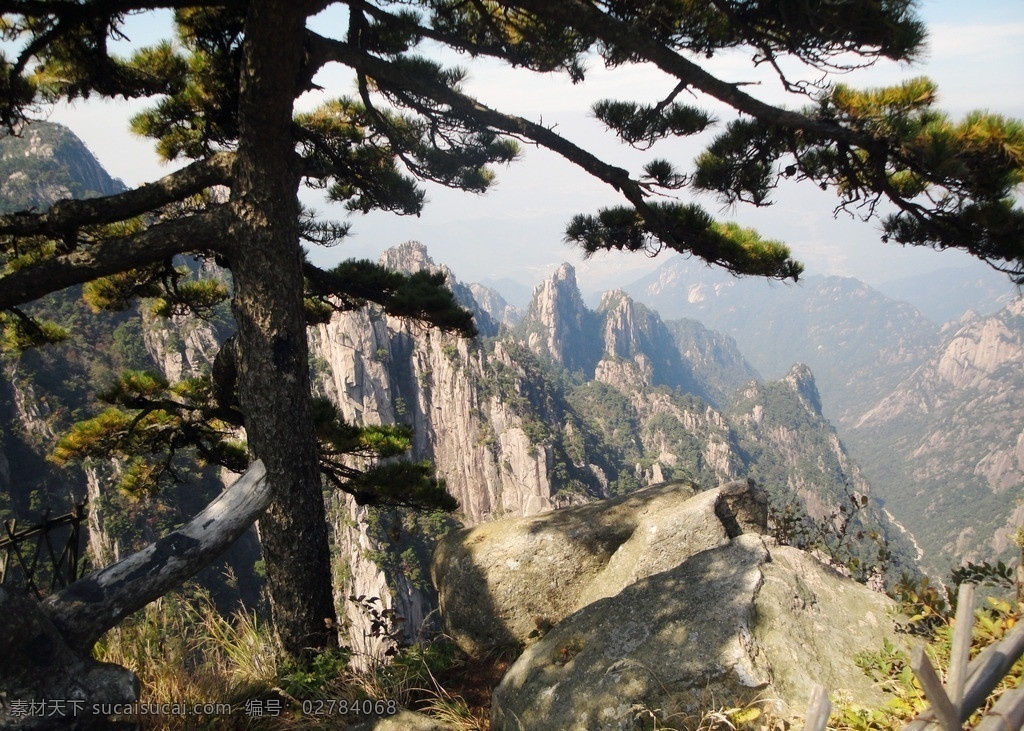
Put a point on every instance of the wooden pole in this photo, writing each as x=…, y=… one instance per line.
x=960, y=654
x=818, y=710
x=1007, y=714
x=947, y=713
x=983, y=675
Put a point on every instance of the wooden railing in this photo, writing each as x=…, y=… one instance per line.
x=968, y=684
x=43, y=557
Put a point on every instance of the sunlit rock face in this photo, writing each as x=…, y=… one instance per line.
x=745, y=620
x=666, y=601
x=502, y=581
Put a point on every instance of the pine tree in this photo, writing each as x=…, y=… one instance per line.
x=223, y=95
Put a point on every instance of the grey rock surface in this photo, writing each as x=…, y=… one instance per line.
x=503, y=583
x=745, y=620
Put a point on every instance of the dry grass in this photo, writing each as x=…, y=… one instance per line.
x=187, y=654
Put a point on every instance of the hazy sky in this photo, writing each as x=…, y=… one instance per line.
x=975, y=54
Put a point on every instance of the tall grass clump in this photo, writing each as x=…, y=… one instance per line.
x=187, y=654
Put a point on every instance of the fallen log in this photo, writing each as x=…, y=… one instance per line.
x=90, y=606
x=48, y=678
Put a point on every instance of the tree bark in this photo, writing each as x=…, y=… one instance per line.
x=90, y=606
x=46, y=648
x=273, y=373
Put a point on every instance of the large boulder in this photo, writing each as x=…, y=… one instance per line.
x=744, y=620
x=505, y=582
x=47, y=684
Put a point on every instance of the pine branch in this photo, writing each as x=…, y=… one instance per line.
x=204, y=231
x=70, y=215
x=588, y=19
x=420, y=296
x=431, y=97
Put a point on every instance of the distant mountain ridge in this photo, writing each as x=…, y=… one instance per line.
x=857, y=342
x=948, y=294
x=931, y=413
x=558, y=326
x=945, y=448
x=48, y=163
x=682, y=402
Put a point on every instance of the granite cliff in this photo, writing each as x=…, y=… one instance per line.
x=945, y=447
x=568, y=406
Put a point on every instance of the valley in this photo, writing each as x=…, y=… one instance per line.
x=872, y=420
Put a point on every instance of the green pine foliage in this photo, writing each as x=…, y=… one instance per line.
x=224, y=91
x=729, y=245
x=643, y=125
x=952, y=182
x=19, y=332
x=149, y=428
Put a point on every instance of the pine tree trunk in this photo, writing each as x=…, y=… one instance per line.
x=273, y=379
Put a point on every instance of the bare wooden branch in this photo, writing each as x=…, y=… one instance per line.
x=933, y=690
x=92, y=605
x=818, y=710
x=960, y=653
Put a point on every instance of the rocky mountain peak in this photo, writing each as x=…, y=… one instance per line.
x=409, y=257
x=557, y=324
x=566, y=273
x=491, y=301
x=47, y=163
x=801, y=380
x=620, y=324
x=412, y=256
x=982, y=346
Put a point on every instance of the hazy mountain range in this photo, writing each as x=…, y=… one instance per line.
x=688, y=373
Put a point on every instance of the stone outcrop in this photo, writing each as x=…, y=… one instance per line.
x=666, y=602
x=378, y=371
x=491, y=302
x=505, y=581
x=633, y=333
x=181, y=347
x=748, y=619
x=381, y=370
x=773, y=419
x=40, y=664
